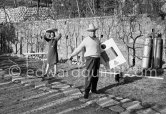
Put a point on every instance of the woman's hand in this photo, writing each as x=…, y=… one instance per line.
x=58, y=35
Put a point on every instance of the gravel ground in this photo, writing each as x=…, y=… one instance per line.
x=148, y=91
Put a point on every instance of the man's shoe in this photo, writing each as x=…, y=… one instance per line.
x=86, y=95
x=95, y=92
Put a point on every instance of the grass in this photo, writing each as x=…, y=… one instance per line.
x=148, y=91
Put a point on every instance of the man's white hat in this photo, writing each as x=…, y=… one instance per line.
x=52, y=30
x=92, y=28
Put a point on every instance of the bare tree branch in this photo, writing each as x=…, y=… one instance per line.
x=78, y=9
x=90, y=8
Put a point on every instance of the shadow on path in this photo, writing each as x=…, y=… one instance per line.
x=127, y=80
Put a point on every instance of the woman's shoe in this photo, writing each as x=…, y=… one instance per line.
x=44, y=77
x=55, y=74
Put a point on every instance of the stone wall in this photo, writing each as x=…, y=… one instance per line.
x=74, y=30
x=22, y=13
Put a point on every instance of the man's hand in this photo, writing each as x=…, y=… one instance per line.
x=70, y=57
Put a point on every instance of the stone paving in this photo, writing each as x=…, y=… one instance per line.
x=60, y=97
x=115, y=104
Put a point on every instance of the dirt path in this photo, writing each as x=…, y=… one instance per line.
x=58, y=96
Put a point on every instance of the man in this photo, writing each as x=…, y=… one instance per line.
x=92, y=56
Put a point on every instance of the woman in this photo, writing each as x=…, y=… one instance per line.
x=52, y=58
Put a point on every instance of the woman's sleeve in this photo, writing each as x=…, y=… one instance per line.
x=58, y=37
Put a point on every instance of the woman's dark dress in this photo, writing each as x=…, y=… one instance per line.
x=52, y=56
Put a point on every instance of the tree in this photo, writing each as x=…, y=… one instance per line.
x=129, y=31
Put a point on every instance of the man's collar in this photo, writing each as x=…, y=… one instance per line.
x=93, y=37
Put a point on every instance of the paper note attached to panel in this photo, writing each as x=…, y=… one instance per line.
x=111, y=56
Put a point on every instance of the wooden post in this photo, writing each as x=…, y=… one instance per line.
x=82, y=54
x=16, y=47
x=21, y=45
x=27, y=45
x=0, y=42
x=67, y=47
x=76, y=47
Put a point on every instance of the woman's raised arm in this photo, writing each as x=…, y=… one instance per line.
x=58, y=36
